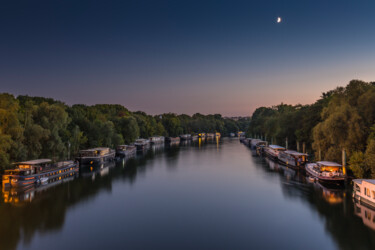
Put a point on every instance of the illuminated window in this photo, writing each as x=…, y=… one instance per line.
x=373, y=194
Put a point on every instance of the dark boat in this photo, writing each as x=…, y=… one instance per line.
x=142, y=144
x=172, y=140
x=185, y=137
x=95, y=156
x=30, y=172
x=292, y=158
x=126, y=151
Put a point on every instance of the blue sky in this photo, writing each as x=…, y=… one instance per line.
x=182, y=56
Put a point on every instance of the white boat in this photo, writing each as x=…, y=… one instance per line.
x=272, y=151
x=157, y=139
x=364, y=191
x=292, y=158
x=326, y=171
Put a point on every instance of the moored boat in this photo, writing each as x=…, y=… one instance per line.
x=142, y=144
x=260, y=146
x=126, y=150
x=253, y=143
x=326, y=171
x=292, y=158
x=185, y=137
x=364, y=191
x=272, y=151
x=95, y=156
x=172, y=140
x=156, y=140
x=202, y=135
x=30, y=172
x=210, y=135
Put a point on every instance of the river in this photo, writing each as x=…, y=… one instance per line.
x=199, y=196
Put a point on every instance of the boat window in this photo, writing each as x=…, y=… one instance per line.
x=373, y=194
x=368, y=192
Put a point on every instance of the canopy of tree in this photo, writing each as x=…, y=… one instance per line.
x=38, y=127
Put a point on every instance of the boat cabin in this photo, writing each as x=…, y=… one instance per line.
x=293, y=157
x=29, y=167
x=94, y=152
x=365, y=188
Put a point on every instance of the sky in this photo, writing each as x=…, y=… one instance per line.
x=180, y=56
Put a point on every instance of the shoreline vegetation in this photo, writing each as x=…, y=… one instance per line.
x=343, y=118
x=38, y=127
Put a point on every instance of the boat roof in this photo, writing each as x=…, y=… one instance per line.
x=293, y=152
x=95, y=149
x=34, y=162
x=329, y=163
x=275, y=146
x=359, y=181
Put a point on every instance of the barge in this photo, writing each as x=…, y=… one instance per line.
x=29, y=173
x=185, y=137
x=260, y=146
x=95, y=156
x=142, y=144
x=292, y=158
x=326, y=171
x=272, y=151
x=156, y=140
x=172, y=140
x=126, y=151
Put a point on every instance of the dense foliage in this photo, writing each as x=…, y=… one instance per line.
x=343, y=118
x=37, y=127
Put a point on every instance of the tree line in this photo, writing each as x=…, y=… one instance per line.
x=343, y=118
x=38, y=127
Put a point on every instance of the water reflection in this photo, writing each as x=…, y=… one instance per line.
x=366, y=213
x=46, y=209
x=332, y=204
x=24, y=212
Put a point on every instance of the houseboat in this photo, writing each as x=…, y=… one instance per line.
x=253, y=143
x=31, y=172
x=292, y=158
x=194, y=138
x=364, y=191
x=326, y=171
x=202, y=135
x=95, y=156
x=210, y=135
x=26, y=194
x=126, y=151
x=172, y=140
x=142, y=144
x=156, y=140
x=260, y=146
x=185, y=137
x=272, y=151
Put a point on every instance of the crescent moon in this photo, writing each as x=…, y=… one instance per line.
x=279, y=20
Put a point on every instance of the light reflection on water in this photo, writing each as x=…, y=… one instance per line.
x=197, y=195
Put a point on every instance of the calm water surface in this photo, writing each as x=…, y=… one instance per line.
x=212, y=196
